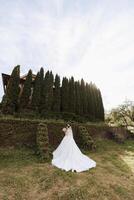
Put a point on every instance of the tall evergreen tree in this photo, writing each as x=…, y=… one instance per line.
x=100, y=106
x=44, y=92
x=36, y=95
x=57, y=97
x=64, y=95
x=89, y=103
x=97, y=107
x=95, y=101
x=71, y=95
x=10, y=99
x=77, y=98
x=26, y=92
x=47, y=93
x=83, y=98
x=41, y=74
x=92, y=103
x=41, y=88
x=49, y=101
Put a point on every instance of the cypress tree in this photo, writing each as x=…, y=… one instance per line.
x=64, y=95
x=36, y=96
x=95, y=101
x=44, y=92
x=77, y=98
x=41, y=88
x=92, y=103
x=101, y=107
x=89, y=106
x=41, y=74
x=26, y=92
x=56, y=99
x=10, y=99
x=97, y=106
x=83, y=98
x=49, y=101
x=71, y=95
x=47, y=93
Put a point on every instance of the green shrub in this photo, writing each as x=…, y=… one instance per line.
x=86, y=141
x=50, y=115
x=72, y=117
x=28, y=114
x=42, y=141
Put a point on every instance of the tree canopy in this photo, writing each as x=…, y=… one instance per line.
x=49, y=94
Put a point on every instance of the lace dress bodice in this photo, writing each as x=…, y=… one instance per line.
x=69, y=132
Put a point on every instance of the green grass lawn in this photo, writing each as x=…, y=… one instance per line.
x=23, y=177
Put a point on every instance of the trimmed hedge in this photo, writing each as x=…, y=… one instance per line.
x=17, y=132
x=42, y=141
x=87, y=141
x=28, y=132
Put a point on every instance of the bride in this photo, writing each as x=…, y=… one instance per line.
x=68, y=156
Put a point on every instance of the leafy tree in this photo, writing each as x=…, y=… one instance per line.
x=10, y=99
x=123, y=115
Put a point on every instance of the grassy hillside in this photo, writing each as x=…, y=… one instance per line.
x=23, y=177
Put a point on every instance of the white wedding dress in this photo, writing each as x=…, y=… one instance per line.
x=68, y=156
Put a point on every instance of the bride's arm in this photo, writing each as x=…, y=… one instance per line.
x=66, y=133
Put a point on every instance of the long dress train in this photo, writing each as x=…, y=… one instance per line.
x=68, y=156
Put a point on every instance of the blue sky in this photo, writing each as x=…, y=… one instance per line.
x=83, y=38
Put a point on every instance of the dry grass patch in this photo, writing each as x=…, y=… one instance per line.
x=23, y=177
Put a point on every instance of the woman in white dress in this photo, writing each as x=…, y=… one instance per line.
x=68, y=156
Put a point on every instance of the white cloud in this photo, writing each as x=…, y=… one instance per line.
x=89, y=40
